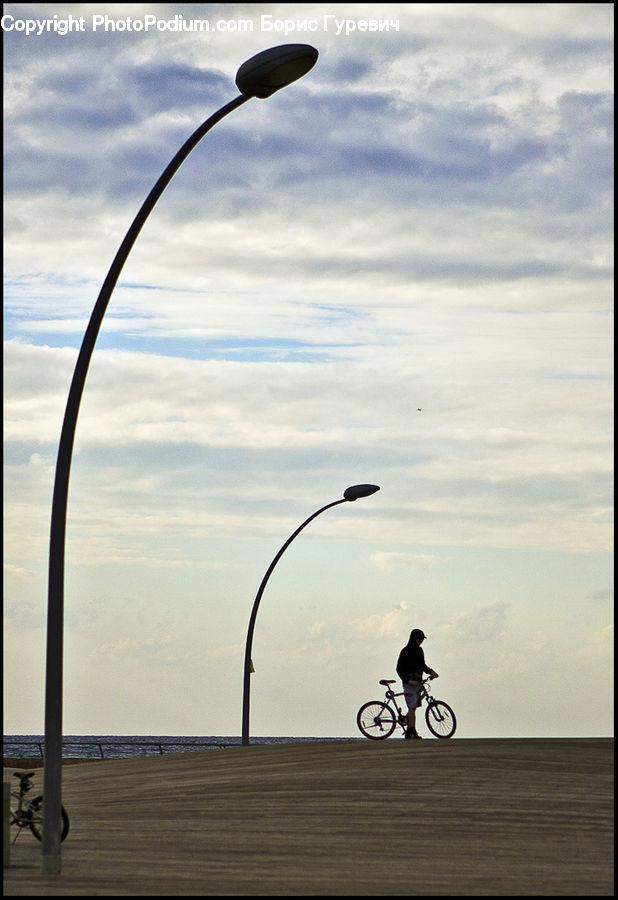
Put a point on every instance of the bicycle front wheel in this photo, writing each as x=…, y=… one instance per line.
x=376, y=720
x=36, y=819
x=440, y=719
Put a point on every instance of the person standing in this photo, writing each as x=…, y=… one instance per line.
x=410, y=668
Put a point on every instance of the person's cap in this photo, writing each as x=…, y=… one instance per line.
x=417, y=633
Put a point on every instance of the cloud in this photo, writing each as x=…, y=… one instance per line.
x=150, y=652
x=601, y=594
x=485, y=623
x=13, y=571
x=388, y=561
x=598, y=648
x=159, y=430
x=380, y=625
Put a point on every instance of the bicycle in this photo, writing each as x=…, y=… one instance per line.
x=29, y=813
x=377, y=719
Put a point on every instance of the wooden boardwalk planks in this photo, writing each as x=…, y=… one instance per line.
x=460, y=817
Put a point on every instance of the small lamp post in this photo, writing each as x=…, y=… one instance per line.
x=349, y=495
x=260, y=76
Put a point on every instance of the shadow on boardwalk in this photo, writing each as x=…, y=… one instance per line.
x=455, y=818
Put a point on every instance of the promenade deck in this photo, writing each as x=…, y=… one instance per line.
x=417, y=818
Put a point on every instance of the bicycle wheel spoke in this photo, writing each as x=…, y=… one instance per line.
x=440, y=719
x=376, y=720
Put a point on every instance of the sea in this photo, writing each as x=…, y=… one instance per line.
x=100, y=746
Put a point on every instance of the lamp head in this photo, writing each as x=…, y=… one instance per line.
x=270, y=70
x=359, y=490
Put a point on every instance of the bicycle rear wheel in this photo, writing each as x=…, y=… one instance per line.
x=36, y=819
x=440, y=719
x=376, y=720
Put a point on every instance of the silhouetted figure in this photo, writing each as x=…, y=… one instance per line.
x=410, y=668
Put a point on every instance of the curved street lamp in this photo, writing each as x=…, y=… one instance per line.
x=349, y=495
x=260, y=76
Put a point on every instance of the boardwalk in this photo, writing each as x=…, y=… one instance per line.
x=461, y=817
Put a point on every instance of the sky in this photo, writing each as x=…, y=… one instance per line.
x=396, y=271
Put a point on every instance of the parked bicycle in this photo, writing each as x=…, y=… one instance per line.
x=377, y=719
x=29, y=813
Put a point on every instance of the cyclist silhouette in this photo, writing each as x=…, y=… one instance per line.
x=410, y=667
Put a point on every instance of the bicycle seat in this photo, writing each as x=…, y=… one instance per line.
x=23, y=775
x=386, y=681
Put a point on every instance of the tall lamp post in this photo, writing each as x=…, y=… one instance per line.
x=350, y=494
x=260, y=76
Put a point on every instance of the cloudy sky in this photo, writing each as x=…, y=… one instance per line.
x=398, y=271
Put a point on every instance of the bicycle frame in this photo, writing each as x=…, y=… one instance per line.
x=19, y=815
x=390, y=695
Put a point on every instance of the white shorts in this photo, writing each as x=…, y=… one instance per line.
x=412, y=695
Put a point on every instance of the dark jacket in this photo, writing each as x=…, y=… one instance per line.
x=411, y=663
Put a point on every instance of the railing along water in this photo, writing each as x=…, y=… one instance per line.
x=30, y=749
